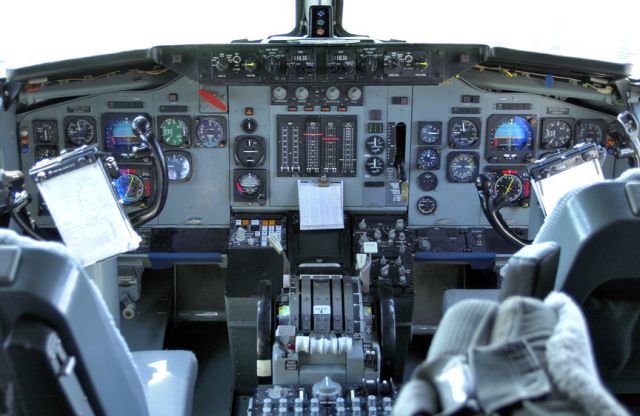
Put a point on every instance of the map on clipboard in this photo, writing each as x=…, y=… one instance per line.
x=320, y=205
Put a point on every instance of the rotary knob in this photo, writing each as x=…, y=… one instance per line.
x=332, y=93
x=272, y=64
x=302, y=93
x=279, y=93
x=354, y=93
x=222, y=65
x=369, y=64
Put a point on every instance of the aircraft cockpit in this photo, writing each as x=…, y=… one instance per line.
x=279, y=226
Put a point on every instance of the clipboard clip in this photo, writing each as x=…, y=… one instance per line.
x=323, y=181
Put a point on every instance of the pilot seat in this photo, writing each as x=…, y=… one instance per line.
x=61, y=352
x=588, y=248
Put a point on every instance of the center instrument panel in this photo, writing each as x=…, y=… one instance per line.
x=240, y=124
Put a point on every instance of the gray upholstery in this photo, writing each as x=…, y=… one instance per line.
x=458, y=326
x=598, y=265
x=453, y=296
x=531, y=271
x=522, y=356
x=51, y=286
x=168, y=378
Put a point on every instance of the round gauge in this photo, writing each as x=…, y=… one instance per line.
x=463, y=133
x=427, y=205
x=589, y=131
x=174, y=131
x=462, y=167
x=130, y=188
x=80, y=130
x=249, y=151
x=178, y=165
x=511, y=134
x=374, y=166
x=210, y=133
x=46, y=152
x=510, y=186
x=430, y=132
x=556, y=134
x=375, y=145
x=427, y=181
x=429, y=159
x=118, y=134
x=249, y=186
x=45, y=131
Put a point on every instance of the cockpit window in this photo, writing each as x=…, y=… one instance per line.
x=66, y=29
x=548, y=26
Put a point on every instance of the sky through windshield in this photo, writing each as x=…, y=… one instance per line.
x=55, y=30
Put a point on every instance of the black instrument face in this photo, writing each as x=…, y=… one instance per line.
x=45, y=131
x=211, y=132
x=46, y=152
x=509, y=186
x=249, y=151
x=316, y=146
x=427, y=181
x=250, y=185
x=80, y=130
x=130, y=188
x=375, y=145
x=511, y=183
x=179, y=165
x=556, y=133
x=590, y=131
x=374, y=166
x=430, y=132
x=429, y=158
x=510, y=138
x=118, y=135
x=427, y=205
x=464, y=133
x=462, y=167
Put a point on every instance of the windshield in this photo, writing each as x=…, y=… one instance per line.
x=64, y=29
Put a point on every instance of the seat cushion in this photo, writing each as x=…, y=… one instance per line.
x=169, y=378
x=453, y=296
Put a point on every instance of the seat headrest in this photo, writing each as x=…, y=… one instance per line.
x=11, y=238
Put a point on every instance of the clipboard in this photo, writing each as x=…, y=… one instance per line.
x=321, y=204
x=553, y=177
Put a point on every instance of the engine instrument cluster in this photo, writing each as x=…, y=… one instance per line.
x=314, y=146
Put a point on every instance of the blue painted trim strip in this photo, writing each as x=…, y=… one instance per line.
x=477, y=260
x=164, y=260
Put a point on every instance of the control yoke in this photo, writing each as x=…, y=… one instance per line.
x=491, y=206
x=16, y=198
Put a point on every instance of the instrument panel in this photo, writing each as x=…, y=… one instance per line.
x=373, y=118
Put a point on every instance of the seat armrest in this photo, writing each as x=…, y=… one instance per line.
x=531, y=271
